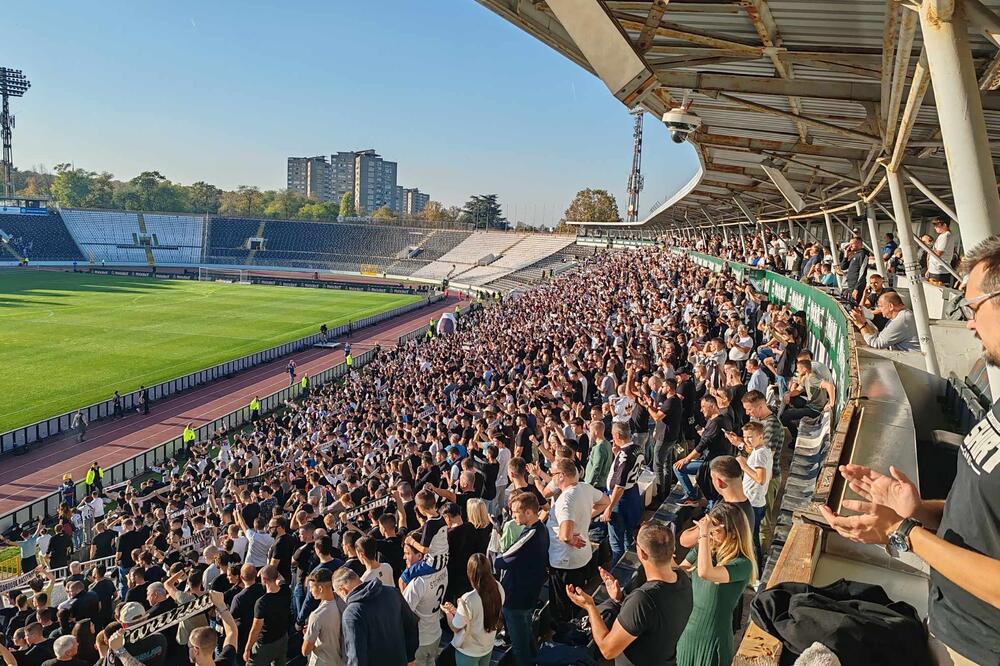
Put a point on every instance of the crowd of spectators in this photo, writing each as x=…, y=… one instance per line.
x=444, y=494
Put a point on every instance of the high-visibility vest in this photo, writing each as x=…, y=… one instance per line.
x=255, y=405
x=305, y=381
x=189, y=435
x=350, y=360
x=89, y=479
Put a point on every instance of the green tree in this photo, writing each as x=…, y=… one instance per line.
x=70, y=186
x=147, y=186
x=203, y=197
x=435, y=211
x=102, y=192
x=592, y=206
x=384, y=213
x=286, y=205
x=347, y=205
x=318, y=210
x=251, y=198
x=483, y=210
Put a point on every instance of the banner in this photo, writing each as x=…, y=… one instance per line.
x=365, y=508
x=260, y=477
x=140, y=630
x=17, y=583
x=199, y=539
x=198, y=493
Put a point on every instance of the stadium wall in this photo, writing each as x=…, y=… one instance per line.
x=117, y=475
x=36, y=432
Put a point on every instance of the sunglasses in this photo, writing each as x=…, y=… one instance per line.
x=968, y=307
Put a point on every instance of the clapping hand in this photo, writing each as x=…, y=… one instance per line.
x=611, y=584
x=874, y=523
x=896, y=491
x=579, y=597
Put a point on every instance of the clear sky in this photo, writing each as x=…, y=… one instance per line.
x=224, y=91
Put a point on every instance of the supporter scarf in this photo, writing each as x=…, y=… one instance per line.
x=242, y=481
x=16, y=583
x=365, y=508
x=140, y=630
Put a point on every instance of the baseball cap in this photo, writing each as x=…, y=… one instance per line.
x=131, y=611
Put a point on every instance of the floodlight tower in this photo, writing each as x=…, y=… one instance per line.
x=635, y=176
x=12, y=84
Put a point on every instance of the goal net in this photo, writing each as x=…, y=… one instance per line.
x=231, y=275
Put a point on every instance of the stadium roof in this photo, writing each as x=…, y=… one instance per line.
x=794, y=93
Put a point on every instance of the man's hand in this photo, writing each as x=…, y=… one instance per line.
x=896, y=492
x=579, y=597
x=578, y=541
x=874, y=525
x=117, y=641
x=606, y=516
x=611, y=584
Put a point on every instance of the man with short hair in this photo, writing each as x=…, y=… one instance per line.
x=624, y=510
x=711, y=444
x=522, y=575
x=203, y=641
x=243, y=604
x=943, y=251
x=65, y=649
x=900, y=331
x=727, y=479
x=807, y=396
x=321, y=642
x=39, y=648
x=570, y=552
x=268, y=639
x=652, y=617
x=958, y=537
x=379, y=629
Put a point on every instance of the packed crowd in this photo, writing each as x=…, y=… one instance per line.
x=459, y=493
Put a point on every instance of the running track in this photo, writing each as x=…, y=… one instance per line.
x=39, y=472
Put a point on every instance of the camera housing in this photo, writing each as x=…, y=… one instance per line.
x=681, y=123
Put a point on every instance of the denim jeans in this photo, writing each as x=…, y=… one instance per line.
x=690, y=468
x=298, y=598
x=518, y=623
x=758, y=516
x=122, y=581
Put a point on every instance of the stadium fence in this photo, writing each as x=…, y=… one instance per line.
x=56, y=425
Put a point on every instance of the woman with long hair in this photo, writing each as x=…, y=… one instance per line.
x=479, y=517
x=478, y=616
x=721, y=566
x=86, y=640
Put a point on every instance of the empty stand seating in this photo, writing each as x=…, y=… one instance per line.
x=176, y=238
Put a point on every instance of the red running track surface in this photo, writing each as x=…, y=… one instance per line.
x=39, y=472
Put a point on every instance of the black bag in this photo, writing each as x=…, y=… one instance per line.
x=857, y=621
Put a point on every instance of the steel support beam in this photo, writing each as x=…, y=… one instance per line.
x=918, y=88
x=873, y=232
x=834, y=250
x=963, y=126
x=907, y=31
x=904, y=230
x=937, y=201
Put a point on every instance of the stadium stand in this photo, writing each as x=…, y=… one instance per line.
x=106, y=236
x=227, y=238
x=177, y=239
x=40, y=237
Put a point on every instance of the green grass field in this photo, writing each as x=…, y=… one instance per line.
x=69, y=340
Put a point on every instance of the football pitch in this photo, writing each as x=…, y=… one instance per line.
x=71, y=339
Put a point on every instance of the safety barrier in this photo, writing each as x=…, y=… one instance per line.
x=36, y=432
x=143, y=462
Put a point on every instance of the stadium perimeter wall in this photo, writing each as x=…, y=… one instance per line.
x=36, y=432
x=124, y=471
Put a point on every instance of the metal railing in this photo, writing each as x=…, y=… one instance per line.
x=56, y=425
x=139, y=464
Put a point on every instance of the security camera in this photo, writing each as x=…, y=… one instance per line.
x=681, y=123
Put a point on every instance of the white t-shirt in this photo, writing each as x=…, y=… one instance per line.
x=755, y=492
x=383, y=573
x=946, y=245
x=736, y=354
x=472, y=638
x=97, y=504
x=260, y=545
x=576, y=504
x=424, y=594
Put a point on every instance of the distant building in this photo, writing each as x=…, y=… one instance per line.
x=370, y=179
x=414, y=202
x=310, y=177
x=374, y=181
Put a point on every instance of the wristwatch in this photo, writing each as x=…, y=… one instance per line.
x=899, y=541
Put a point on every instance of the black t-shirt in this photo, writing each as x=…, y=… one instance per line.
x=305, y=561
x=747, y=511
x=105, y=591
x=521, y=439
x=138, y=593
x=275, y=609
x=104, y=543
x=227, y=657
x=282, y=550
x=673, y=418
x=964, y=622
x=72, y=662
x=59, y=548
x=250, y=513
x=390, y=551
x=461, y=545
x=36, y=655
x=127, y=542
x=656, y=614
x=151, y=650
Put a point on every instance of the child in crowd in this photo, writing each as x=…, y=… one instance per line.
x=757, y=466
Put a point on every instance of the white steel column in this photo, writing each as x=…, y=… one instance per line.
x=873, y=232
x=834, y=250
x=901, y=208
x=963, y=127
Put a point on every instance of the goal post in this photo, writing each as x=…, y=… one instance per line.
x=230, y=275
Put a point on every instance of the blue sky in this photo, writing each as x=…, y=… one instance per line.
x=224, y=91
